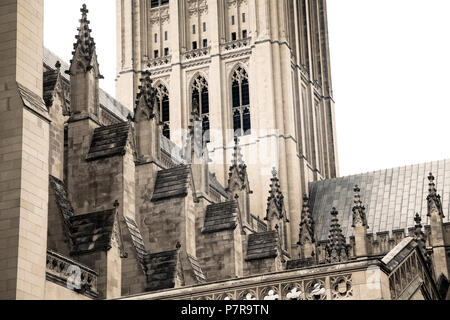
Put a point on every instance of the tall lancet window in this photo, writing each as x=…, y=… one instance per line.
x=241, y=102
x=162, y=99
x=200, y=101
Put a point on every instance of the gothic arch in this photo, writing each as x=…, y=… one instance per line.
x=163, y=103
x=240, y=99
x=199, y=97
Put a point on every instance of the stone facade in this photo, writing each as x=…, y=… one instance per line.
x=290, y=99
x=97, y=202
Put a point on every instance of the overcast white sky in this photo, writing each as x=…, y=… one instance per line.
x=390, y=68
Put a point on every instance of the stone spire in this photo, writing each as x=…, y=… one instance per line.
x=84, y=73
x=437, y=236
x=238, y=182
x=275, y=201
x=237, y=172
x=359, y=225
x=434, y=199
x=276, y=216
x=84, y=51
x=336, y=249
x=306, y=236
x=420, y=237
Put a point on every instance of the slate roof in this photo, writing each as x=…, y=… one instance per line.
x=262, y=245
x=106, y=101
x=392, y=197
x=162, y=270
x=220, y=217
x=197, y=269
x=138, y=241
x=32, y=100
x=171, y=183
x=109, y=141
x=62, y=198
x=301, y=263
x=92, y=231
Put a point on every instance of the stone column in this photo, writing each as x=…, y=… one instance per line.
x=24, y=152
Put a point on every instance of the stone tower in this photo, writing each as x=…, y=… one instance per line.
x=252, y=68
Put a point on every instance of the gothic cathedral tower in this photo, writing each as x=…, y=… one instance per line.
x=259, y=69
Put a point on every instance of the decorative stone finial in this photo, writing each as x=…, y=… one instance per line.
x=178, y=245
x=58, y=65
x=359, y=211
x=116, y=204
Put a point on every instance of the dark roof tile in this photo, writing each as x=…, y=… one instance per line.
x=220, y=217
x=262, y=245
x=162, y=270
x=109, y=141
x=92, y=231
x=171, y=183
x=391, y=197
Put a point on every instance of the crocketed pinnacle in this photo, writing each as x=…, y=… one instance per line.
x=84, y=47
x=359, y=211
x=146, y=95
x=433, y=199
x=337, y=249
x=276, y=198
x=238, y=170
x=306, y=224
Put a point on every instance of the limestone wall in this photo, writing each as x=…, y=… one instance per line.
x=55, y=291
x=24, y=149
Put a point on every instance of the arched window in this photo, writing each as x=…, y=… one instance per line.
x=162, y=99
x=200, y=100
x=240, y=102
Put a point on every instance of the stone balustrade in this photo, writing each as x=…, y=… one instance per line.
x=197, y=53
x=359, y=279
x=71, y=274
x=236, y=44
x=159, y=62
